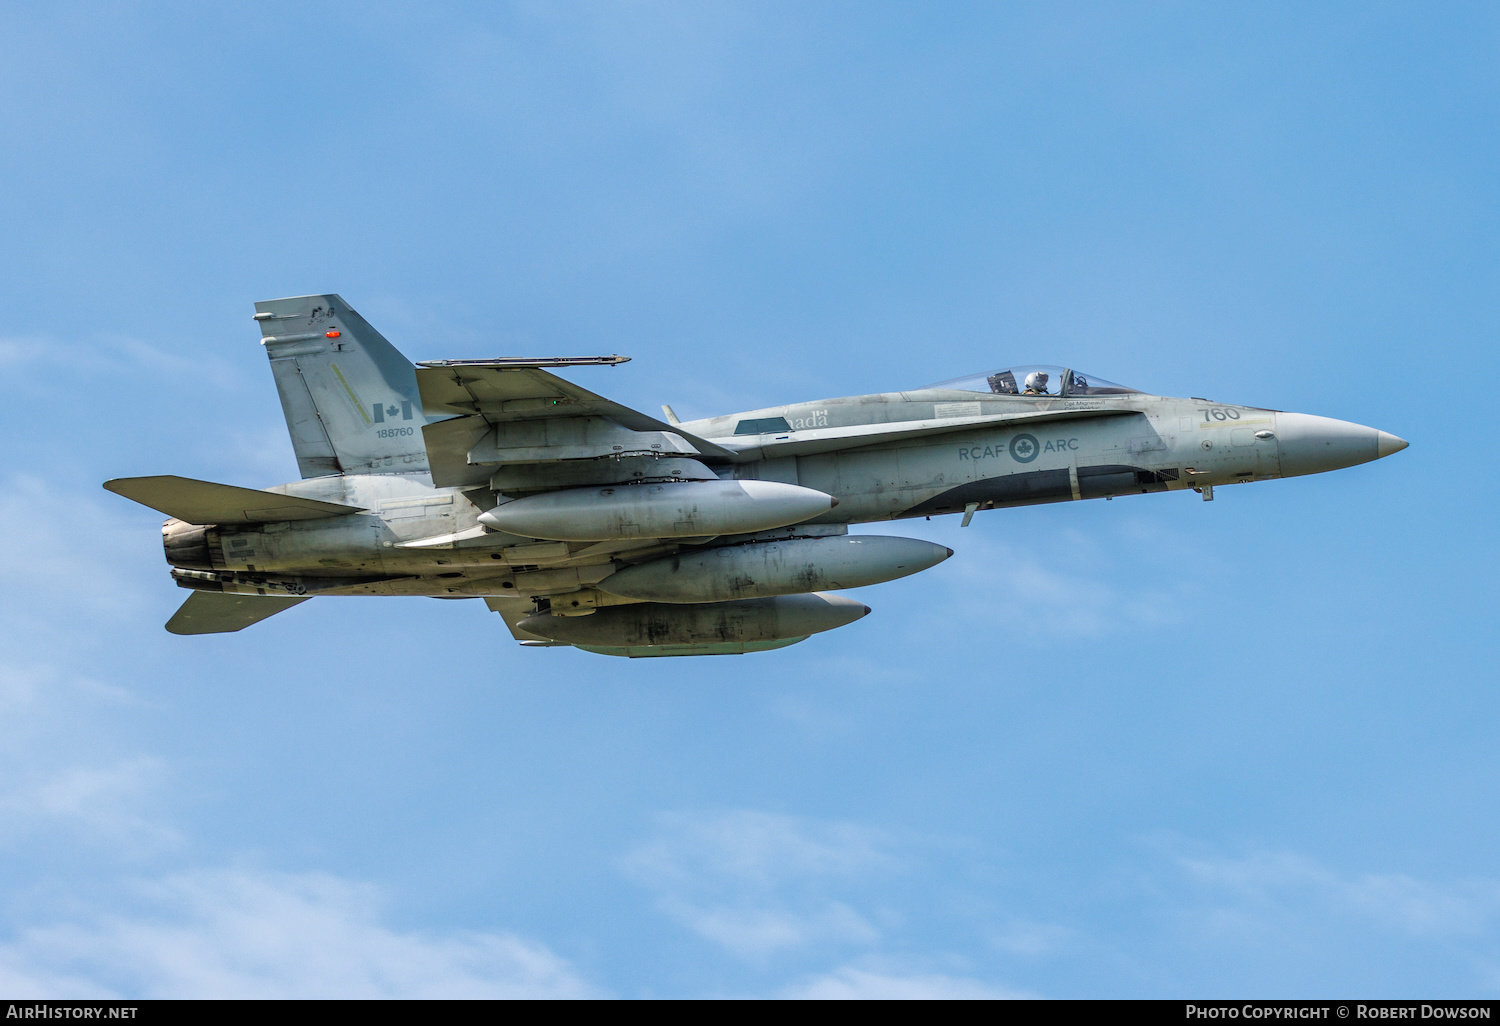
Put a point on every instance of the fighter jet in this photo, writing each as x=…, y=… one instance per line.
x=585, y=523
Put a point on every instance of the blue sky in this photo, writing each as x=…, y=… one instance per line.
x=1151, y=747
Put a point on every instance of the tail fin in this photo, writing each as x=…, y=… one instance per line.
x=349, y=396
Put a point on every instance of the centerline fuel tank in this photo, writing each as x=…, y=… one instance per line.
x=686, y=509
x=750, y=620
x=786, y=567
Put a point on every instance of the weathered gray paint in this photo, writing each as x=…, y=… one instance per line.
x=326, y=355
x=497, y=433
x=738, y=622
x=784, y=567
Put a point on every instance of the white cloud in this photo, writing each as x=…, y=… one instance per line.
x=68, y=556
x=760, y=884
x=113, y=355
x=1273, y=885
x=236, y=933
x=762, y=849
x=752, y=932
x=79, y=797
x=69, y=767
x=115, y=804
x=855, y=984
x=63, y=772
x=15, y=352
x=1023, y=937
x=1062, y=585
x=757, y=883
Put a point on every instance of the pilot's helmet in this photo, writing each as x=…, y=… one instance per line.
x=1036, y=381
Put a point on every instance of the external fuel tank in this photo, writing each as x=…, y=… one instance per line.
x=745, y=621
x=785, y=567
x=684, y=509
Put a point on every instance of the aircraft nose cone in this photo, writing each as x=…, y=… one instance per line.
x=1313, y=445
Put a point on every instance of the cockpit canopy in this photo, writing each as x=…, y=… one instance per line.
x=1036, y=380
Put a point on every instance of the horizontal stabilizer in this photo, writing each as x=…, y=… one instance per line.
x=203, y=502
x=212, y=612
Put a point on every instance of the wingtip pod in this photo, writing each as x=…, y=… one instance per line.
x=687, y=509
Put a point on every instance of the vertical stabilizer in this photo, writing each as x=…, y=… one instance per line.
x=349, y=396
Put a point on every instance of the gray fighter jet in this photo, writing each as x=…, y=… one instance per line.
x=585, y=523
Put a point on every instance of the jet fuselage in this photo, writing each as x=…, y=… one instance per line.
x=498, y=479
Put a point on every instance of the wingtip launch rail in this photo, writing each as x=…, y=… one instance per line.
x=521, y=362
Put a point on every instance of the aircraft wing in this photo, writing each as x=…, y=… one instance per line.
x=515, y=411
x=213, y=612
x=204, y=502
x=820, y=440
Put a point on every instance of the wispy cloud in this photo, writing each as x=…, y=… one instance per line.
x=110, y=356
x=851, y=983
x=67, y=555
x=62, y=774
x=760, y=884
x=1028, y=938
x=761, y=849
x=118, y=804
x=235, y=933
x=17, y=352
x=73, y=777
x=757, y=883
x=1266, y=887
x=1067, y=585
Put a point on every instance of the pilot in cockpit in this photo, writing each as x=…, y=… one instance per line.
x=1036, y=383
